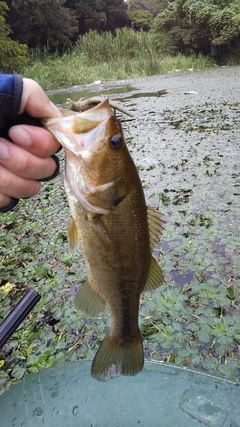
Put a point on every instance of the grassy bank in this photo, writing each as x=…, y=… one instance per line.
x=105, y=57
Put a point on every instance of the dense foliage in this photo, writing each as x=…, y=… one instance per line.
x=178, y=26
x=142, y=12
x=41, y=23
x=12, y=54
x=100, y=15
x=57, y=23
x=197, y=26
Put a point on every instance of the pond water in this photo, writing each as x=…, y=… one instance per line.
x=184, y=139
x=76, y=92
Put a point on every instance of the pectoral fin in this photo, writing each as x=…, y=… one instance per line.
x=73, y=237
x=98, y=226
x=108, y=196
x=155, y=276
x=88, y=301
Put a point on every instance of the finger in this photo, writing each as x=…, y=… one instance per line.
x=24, y=164
x=15, y=186
x=5, y=201
x=35, y=102
x=10, y=206
x=36, y=140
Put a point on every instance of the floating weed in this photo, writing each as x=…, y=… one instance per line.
x=176, y=197
x=230, y=293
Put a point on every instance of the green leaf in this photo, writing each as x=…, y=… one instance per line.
x=18, y=372
x=230, y=293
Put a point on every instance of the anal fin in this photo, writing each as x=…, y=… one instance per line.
x=155, y=276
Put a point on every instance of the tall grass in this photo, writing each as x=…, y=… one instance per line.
x=127, y=54
x=125, y=44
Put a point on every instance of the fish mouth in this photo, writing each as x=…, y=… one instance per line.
x=84, y=144
x=81, y=133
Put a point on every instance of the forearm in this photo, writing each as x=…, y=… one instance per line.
x=11, y=87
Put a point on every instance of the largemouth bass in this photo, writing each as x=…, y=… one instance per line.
x=115, y=229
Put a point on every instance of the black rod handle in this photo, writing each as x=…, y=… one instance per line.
x=18, y=314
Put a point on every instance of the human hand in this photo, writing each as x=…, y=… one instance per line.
x=27, y=158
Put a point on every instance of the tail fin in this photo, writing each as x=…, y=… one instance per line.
x=116, y=358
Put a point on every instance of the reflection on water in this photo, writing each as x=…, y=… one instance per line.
x=88, y=91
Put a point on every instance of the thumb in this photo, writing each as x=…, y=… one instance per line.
x=35, y=102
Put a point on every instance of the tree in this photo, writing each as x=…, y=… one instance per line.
x=13, y=56
x=42, y=23
x=142, y=12
x=152, y=6
x=89, y=13
x=195, y=26
x=140, y=19
x=116, y=14
x=99, y=15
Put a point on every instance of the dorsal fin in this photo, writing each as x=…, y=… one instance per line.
x=155, y=226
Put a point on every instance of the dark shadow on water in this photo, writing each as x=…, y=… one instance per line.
x=182, y=279
x=176, y=276
x=157, y=94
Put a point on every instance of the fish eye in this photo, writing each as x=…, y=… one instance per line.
x=116, y=142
